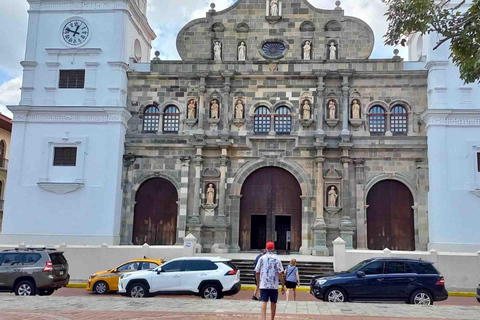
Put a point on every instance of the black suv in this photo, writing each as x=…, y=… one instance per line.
x=28, y=272
x=383, y=279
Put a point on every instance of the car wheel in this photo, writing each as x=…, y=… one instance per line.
x=211, y=291
x=45, y=292
x=421, y=298
x=335, y=295
x=25, y=288
x=101, y=287
x=137, y=290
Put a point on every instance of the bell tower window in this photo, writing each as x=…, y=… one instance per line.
x=72, y=79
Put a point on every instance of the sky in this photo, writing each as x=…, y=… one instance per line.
x=166, y=17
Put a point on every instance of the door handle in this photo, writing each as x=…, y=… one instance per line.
x=204, y=274
x=176, y=276
x=17, y=270
x=380, y=279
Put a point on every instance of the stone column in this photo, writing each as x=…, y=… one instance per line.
x=235, y=222
x=346, y=227
x=201, y=103
x=320, y=227
x=227, y=75
x=360, y=203
x=182, y=211
x=198, y=160
x=345, y=90
x=320, y=100
x=420, y=208
x=220, y=236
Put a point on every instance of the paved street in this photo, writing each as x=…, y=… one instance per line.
x=114, y=307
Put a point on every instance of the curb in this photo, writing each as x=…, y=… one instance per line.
x=78, y=285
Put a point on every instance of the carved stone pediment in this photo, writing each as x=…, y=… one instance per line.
x=242, y=27
x=218, y=27
x=273, y=19
x=333, y=174
x=211, y=173
x=306, y=122
x=307, y=26
x=191, y=122
x=332, y=123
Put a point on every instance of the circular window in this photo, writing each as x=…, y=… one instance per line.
x=273, y=49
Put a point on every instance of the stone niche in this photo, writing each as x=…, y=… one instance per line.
x=210, y=176
x=189, y=120
x=333, y=179
x=239, y=110
x=329, y=111
x=306, y=122
x=356, y=114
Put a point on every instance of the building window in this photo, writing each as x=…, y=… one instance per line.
x=398, y=120
x=283, y=120
x=65, y=157
x=151, y=118
x=72, y=79
x=262, y=120
x=377, y=120
x=478, y=161
x=171, y=119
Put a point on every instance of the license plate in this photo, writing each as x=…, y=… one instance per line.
x=61, y=273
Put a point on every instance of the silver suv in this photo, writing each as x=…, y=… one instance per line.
x=32, y=271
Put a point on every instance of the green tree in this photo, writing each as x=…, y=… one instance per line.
x=452, y=22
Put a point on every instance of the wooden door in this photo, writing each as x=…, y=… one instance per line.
x=390, y=221
x=155, y=221
x=271, y=192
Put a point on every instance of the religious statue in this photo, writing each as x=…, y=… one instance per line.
x=306, y=110
x=332, y=198
x=332, y=108
x=307, y=50
x=333, y=51
x=191, y=109
x=355, y=110
x=217, y=51
x=214, y=110
x=239, y=109
x=274, y=8
x=210, y=194
x=242, y=52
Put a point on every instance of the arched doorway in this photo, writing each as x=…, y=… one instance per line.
x=390, y=220
x=271, y=210
x=155, y=220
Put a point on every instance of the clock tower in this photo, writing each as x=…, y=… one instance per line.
x=69, y=128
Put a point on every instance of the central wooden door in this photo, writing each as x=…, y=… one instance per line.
x=270, y=192
x=155, y=221
x=390, y=221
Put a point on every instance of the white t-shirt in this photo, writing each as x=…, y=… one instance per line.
x=269, y=266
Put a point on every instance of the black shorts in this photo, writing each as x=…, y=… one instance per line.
x=269, y=294
x=291, y=285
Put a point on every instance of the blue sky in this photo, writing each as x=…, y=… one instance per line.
x=166, y=19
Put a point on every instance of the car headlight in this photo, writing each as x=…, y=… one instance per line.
x=123, y=276
x=92, y=276
x=321, y=281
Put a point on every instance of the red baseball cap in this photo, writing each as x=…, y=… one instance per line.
x=270, y=246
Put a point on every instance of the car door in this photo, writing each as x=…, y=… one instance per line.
x=10, y=269
x=371, y=285
x=197, y=271
x=169, y=278
x=398, y=279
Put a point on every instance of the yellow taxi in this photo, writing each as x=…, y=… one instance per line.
x=105, y=281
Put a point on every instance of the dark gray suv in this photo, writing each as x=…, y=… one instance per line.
x=28, y=272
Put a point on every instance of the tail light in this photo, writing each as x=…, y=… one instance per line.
x=231, y=273
x=441, y=281
x=48, y=266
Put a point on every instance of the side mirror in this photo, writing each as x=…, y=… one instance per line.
x=159, y=270
x=360, y=274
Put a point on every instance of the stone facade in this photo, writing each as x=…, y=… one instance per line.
x=319, y=151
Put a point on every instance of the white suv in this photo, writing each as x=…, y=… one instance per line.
x=211, y=278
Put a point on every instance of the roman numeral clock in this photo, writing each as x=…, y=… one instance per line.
x=75, y=32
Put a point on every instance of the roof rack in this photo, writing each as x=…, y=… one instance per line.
x=31, y=249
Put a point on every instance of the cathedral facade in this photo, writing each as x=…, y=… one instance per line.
x=276, y=125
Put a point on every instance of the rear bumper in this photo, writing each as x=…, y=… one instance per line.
x=441, y=295
x=234, y=290
x=55, y=284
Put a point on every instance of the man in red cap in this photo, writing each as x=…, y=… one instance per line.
x=268, y=271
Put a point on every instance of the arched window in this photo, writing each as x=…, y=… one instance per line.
x=377, y=120
x=283, y=120
x=171, y=119
x=151, y=118
x=398, y=120
x=2, y=149
x=262, y=120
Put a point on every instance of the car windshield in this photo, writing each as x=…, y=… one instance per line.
x=358, y=266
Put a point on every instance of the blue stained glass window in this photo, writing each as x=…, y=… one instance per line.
x=273, y=49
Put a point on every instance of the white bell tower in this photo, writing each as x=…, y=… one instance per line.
x=69, y=129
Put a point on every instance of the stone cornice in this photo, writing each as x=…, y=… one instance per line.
x=452, y=117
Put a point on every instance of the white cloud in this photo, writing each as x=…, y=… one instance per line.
x=10, y=94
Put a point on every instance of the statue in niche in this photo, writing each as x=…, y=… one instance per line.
x=306, y=110
x=191, y=109
x=210, y=194
x=274, y=8
x=332, y=107
x=307, y=50
x=242, y=52
x=217, y=51
x=355, y=110
x=214, y=109
x=239, y=109
x=332, y=198
x=333, y=51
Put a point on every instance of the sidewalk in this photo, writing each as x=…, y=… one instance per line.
x=80, y=308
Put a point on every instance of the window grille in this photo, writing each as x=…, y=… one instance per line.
x=262, y=120
x=151, y=118
x=398, y=121
x=65, y=157
x=72, y=79
x=377, y=121
x=283, y=120
x=171, y=119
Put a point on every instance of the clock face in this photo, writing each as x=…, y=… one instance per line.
x=75, y=32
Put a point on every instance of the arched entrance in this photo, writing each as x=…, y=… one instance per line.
x=270, y=210
x=390, y=218
x=156, y=208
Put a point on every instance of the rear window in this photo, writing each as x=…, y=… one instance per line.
x=228, y=263
x=57, y=258
x=200, y=265
x=425, y=268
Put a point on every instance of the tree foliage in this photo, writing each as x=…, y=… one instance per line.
x=451, y=21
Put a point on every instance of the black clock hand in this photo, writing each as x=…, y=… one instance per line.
x=77, y=29
x=68, y=29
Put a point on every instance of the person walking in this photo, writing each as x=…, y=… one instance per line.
x=255, y=293
x=269, y=271
x=292, y=279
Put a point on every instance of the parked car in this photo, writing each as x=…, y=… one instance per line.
x=32, y=271
x=478, y=293
x=105, y=281
x=211, y=278
x=412, y=281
